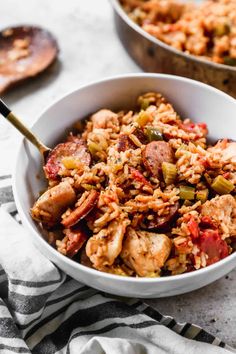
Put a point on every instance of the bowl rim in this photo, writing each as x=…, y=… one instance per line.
x=70, y=262
x=120, y=11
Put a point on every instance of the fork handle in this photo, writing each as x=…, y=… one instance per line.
x=28, y=134
x=4, y=110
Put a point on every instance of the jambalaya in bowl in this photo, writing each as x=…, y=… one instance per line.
x=140, y=193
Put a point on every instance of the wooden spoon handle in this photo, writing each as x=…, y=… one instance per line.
x=7, y=113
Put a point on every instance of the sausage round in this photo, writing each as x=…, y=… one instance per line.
x=124, y=143
x=82, y=210
x=161, y=222
x=75, y=240
x=154, y=154
x=71, y=148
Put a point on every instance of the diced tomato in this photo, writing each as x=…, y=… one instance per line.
x=135, y=174
x=188, y=127
x=207, y=163
x=226, y=175
x=211, y=243
x=207, y=222
x=203, y=161
x=168, y=136
x=202, y=125
x=193, y=228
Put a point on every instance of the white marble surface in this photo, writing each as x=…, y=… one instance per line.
x=90, y=50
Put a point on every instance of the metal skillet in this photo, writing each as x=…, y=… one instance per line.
x=152, y=55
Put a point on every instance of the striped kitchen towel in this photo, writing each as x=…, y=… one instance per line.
x=44, y=311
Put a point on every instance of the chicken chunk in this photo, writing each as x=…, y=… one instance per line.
x=50, y=206
x=226, y=149
x=145, y=252
x=229, y=153
x=104, y=119
x=222, y=209
x=104, y=247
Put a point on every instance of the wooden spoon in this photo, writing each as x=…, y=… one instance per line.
x=28, y=134
x=25, y=51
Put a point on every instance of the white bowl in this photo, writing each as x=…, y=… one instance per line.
x=192, y=99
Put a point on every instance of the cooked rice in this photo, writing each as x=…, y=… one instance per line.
x=129, y=195
x=207, y=30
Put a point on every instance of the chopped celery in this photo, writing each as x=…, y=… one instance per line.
x=202, y=195
x=221, y=29
x=153, y=134
x=93, y=147
x=186, y=192
x=143, y=118
x=169, y=172
x=145, y=103
x=221, y=185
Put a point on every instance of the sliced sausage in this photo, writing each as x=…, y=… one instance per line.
x=124, y=143
x=75, y=238
x=211, y=243
x=141, y=136
x=161, y=222
x=50, y=206
x=154, y=154
x=71, y=148
x=82, y=210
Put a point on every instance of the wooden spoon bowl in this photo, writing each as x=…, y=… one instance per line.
x=25, y=52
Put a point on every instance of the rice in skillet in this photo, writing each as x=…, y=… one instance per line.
x=207, y=30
